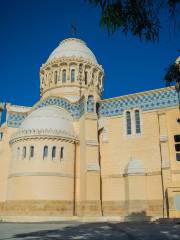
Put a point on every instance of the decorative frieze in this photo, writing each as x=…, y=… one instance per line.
x=42, y=133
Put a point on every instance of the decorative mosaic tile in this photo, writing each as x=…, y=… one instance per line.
x=106, y=108
x=15, y=119
x=150, y=101
x=75, y=109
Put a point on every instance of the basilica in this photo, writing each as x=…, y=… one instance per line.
x=75, y=154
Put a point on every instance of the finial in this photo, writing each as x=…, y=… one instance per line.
x=73, y=29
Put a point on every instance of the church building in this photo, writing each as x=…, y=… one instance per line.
x=75, y=154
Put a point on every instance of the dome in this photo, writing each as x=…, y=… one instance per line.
x=73, y=47
x=49, y=118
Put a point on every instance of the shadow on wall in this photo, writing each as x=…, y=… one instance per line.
x=108, y=231
x=138, y=216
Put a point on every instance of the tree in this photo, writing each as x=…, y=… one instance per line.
x=142, y=18
x=172, y=76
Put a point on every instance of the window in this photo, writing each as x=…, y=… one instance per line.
x=31, y=155
x=24, y=152
x=55, y=77
x=85, y=77
x=72, y=75
x=64, y=75
x=177, y=138
x=1, y=136
x=178, y=156
x=45, y=152
x=90, y=104
x=128, y=123
x=62, y=153
x=177, y=146
x=18, y=152
x=53, y=152
x=137, y=121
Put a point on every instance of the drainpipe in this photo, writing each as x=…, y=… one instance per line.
x=162, y=179
x=99, y=132
x=74, y=194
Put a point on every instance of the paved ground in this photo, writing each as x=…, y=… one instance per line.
x=103, y=231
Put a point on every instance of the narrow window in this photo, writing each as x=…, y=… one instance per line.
x=85, y=77
x=177, y=147
x=55, y=77
x=137, y=121
x=128, y=123
x=24, y=152
x=53, y=152
x=62, y=153
x=31, y=152
x=72, y=75
x=64, y=75
x=45, y=152
x=177, y=138
x=1, y=136
x=18, y=152
x=178, y=156
x=90, y=104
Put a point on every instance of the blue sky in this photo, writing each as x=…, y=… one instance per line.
x=31, y=29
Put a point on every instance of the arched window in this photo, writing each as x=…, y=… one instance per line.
x=55, y=77
x=31, y=154
x=53, y=152
x=90, y=104
x=137, y=121
x=62, y=153
x=128, y=123
x=72, y=75
x=64, y=75
x=45, y=152
x=24, y=152
x=18, y=152
x=85, y=77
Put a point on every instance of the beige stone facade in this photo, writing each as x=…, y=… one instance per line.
x=76, y=154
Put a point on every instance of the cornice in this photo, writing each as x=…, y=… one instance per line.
x=21, y=135
x=133, y=95
x=78, y=85
x=40, y=174
x=74, y=59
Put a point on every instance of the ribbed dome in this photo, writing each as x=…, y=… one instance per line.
x=50, y=117
x=73, y=47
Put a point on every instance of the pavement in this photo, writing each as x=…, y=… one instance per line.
x=99, y=230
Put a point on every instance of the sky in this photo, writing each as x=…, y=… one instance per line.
x=31, y=29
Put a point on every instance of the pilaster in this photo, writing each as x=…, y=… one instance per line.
x=165, y=159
